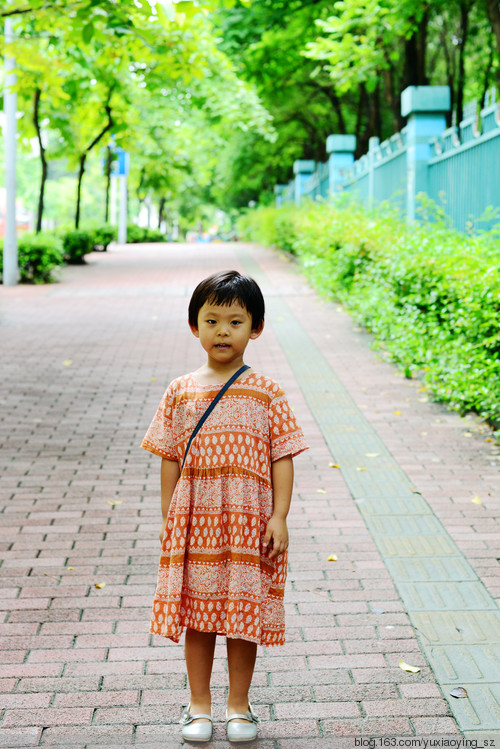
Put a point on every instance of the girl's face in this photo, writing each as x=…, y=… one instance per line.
x=224, y=332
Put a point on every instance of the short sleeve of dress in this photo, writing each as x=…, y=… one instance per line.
x=286, y=436
x=159, y=439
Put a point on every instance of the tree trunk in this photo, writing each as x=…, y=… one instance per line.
x=415, y=55
x=361, y=142
x=81, y=172
x=84, y=155
x=464, y=32
x=450, y=76
x=36, y=122
x=337, y=108
x=422, y=48
x=161, y=208
x=109, y=162
x=494, y=15
x=487, y=74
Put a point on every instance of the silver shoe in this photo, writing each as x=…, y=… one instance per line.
x=195, y=731
x=242, y=731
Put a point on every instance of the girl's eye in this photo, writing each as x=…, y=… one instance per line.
x=236, y=322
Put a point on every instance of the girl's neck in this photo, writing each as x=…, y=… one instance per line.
x=213, y=373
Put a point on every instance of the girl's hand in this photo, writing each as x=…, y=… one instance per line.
x=276, y=537
x=162, y=532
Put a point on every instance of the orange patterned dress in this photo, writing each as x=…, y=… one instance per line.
x=213, y=575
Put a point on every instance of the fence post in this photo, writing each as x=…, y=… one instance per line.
x=278, y=193
x=302, y=168
x=425, y=107
x=341, y=156
x=373, y=145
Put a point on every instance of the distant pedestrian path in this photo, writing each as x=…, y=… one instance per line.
x=395, y=530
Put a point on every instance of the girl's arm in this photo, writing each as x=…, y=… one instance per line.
x=170, y=473
x=276, y=536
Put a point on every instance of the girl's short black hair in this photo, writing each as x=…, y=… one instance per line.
x=223, y=289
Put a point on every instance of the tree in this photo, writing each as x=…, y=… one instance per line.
x=86, y=72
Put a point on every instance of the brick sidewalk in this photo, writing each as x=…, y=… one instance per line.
x=84, y=365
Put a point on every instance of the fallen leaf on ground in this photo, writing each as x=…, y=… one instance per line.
x=99, y=585
x=153, y=379
x=477, y=500
x=334, y=465
x=70, y=568
x=421, y=390
x=397, y=413
x=332, y=558
x=406, y=667
x=489, y=439
x=361, y=468
x=57, y=579
x=67, y=362
x=321, y=491
x=113, y=502
x=372, y=455
x=459, y=693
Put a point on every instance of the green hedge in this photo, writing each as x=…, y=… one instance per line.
x=138, y=234
x=102, y=236
x=39, y=255
x=430, y=295
x=77, y=244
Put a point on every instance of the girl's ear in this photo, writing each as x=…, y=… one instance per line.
x=257, y=331
x=195, y=331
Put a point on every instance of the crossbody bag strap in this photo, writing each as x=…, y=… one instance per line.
x=211, y=408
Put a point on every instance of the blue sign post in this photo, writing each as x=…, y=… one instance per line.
x=120, y=170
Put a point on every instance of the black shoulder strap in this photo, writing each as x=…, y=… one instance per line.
x=211, y=408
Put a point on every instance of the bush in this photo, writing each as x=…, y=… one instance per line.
x=76, y=245
x=38, y=256
x=102, y=236
x=430, y=295
x=138, y=234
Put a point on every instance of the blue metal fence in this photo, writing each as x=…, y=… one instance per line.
x=458, y=168
x=464, y=170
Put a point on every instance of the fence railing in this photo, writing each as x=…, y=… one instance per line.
x=458, y=167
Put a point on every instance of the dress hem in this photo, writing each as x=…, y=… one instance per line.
x=262, y=642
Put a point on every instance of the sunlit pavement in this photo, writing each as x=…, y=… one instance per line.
x=401, y=492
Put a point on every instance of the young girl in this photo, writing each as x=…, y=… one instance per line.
x=224, y=534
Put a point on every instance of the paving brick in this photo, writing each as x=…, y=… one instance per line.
x=47, y=717
x=59, y=684
x=409, y=707
x=317, y=710
x=25, y=700
x=368, y=727
x=78, y=736
x=97, y=699
x=356, y=693
x=20, y=737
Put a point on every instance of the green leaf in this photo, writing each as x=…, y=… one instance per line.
x=188, y=8
x=167, y=9
x=88, y=32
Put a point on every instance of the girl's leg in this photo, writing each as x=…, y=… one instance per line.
x=241, y=656
x=199, y=652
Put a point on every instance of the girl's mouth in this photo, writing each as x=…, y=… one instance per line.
x=222, y=345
